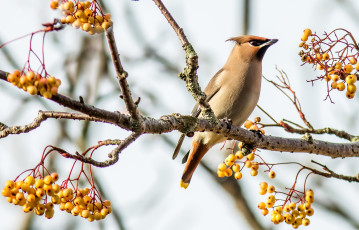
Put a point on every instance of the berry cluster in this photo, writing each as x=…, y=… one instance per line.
x=336, y=56
x=85, y=15
x=40, y=195
x=290, y=213
x=80, y=203
x=35, y=83
x=33, y=194
x=231, y=165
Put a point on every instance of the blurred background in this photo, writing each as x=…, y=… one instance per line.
x=144, y=185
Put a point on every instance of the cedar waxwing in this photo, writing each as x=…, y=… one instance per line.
x=232, y=93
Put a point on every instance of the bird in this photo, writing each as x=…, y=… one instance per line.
x=232, y=93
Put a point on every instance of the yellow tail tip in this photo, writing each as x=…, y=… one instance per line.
x=183, y=184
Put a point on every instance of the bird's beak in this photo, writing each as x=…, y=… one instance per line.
x=269, y=42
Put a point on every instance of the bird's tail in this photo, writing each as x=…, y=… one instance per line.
x=197, y=152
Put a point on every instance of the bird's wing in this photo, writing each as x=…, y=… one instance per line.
x=210, y=91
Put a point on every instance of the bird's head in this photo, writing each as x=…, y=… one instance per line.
x=253, y=46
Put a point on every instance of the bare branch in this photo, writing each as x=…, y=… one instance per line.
x=113, y=155
x=189, y=75
x=121, y=76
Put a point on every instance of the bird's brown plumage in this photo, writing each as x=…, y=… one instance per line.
x=232, y=93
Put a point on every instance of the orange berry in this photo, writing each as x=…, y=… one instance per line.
x=105, y=25
x=348, y=68
x=349, y=95
x=334, y=85
x=307, y=32
x=54, y=4
x=221, y=173
x=353, y=61
x=265, y=212
x=248, y=124
x=54, y=176
x=261, y=205
x=335, y=77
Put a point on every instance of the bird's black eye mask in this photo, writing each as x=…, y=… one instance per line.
x=257, y=42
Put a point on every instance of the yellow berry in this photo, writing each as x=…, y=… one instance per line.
x=86, y=27
x=236, y=168
x=40, y=192
x=28, y=207
x=320, y=66
x=351, y=79
x=222, y=167
x=298, y=221
x=271, y=174
x=85, y=213
x=10, y=184
x=263, y=185
x=30, y=180
x=49, y=213
x=221, y=173
x=248, y=164
x=269, y=204
x=105, y=25
x=292, y=206
x=31, y=198
x=287, y=208
x=338, y=66
x=239, y=155
x=357, y=66
x=254, y=172
x=305, y=222
x=310, y=212
x=39, y=183
x=6, y=192
x=335, y=77
x=341, y=86
x=261, y=205
x=325, y=56
x=265, y=212
x=238, y=175
x=262, y=191
x=250, y=156
x=351, y=88
x=271, y=189
x=228, y=172
x=271, y=198
x=304, y=38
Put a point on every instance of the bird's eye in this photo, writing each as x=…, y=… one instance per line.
x=255, y=43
